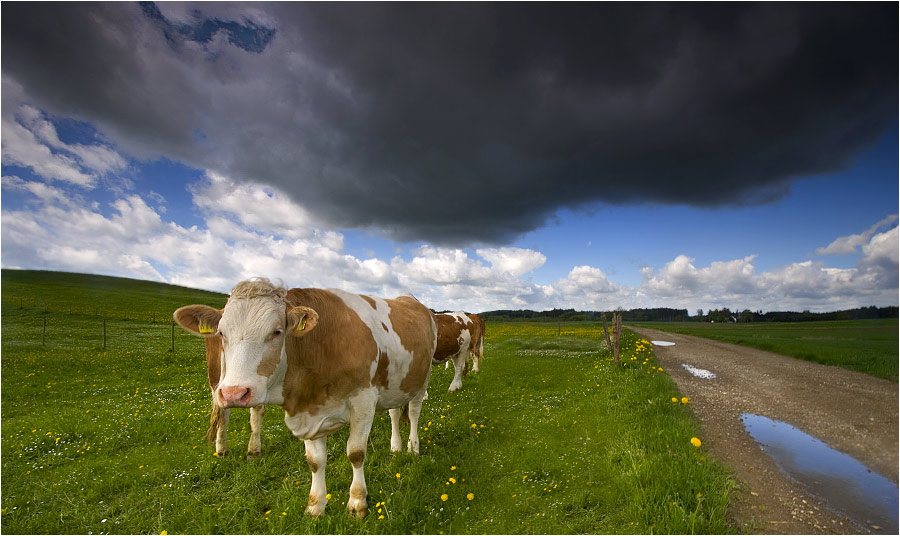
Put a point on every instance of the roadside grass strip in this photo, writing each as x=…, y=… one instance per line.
x=549, y=438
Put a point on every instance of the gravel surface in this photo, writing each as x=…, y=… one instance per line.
x=852, y=412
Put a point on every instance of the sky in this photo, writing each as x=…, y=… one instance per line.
x=479, y=156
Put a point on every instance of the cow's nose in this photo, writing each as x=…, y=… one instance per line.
x=237, y=396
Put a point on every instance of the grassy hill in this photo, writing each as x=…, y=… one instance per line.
x=98, y=295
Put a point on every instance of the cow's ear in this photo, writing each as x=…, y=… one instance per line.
x=301, y=320
x=200, y=320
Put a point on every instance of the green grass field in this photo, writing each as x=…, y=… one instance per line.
x=867, y=346
x=549, y=438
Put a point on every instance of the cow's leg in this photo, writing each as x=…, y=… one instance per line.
x=415, y=409
x=222, y=432
x=361, y=417
x=476, y=350
x=459, y=366
x=254, y=447
x=396, y=443
x=446, y=364
x=316, y=456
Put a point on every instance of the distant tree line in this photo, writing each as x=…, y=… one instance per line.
x=665, y=314
x=861, y=313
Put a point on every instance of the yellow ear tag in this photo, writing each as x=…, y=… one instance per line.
x=302, y=326
x=205, y=328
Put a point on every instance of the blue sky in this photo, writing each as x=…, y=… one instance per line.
x=245, y=140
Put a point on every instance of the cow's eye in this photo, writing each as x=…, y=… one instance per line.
x=277, y=332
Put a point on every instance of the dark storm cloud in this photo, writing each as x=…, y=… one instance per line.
x=465, y=123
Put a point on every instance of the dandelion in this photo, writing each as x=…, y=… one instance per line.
x=444, y=497
x=163, y=533
x=398, y=475
x=268, y=512
x=695, y=442
x=453, y=468
x=327, y=495
x=452, y=480
x=381, y=517
x=674, y=399
x=470, y=496
x=685, y=400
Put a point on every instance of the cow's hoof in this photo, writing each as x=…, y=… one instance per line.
x=316, y=507
x=253, y=455
x=358, y=512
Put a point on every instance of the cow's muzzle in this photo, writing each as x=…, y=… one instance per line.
x=235, y=397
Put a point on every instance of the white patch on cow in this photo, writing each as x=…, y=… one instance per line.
x=328, y=419
x=388, y=342
x=699, y=372
x=460, y=316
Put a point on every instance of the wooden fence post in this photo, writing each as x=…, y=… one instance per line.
x=606, y=332
x=617, y=330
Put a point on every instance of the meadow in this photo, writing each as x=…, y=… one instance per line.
x=550, y=437
x=867, y=346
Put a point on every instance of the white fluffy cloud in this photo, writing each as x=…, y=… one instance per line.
x=848, y=245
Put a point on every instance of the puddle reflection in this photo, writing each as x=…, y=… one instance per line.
x=848, y=486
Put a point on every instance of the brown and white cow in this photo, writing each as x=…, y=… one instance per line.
x=458, y=335
x=329, y=358
x=219, y=416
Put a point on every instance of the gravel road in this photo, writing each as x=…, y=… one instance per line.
x=852, y=412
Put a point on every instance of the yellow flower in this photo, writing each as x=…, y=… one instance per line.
x=685, y=400
x=695, y=442
x=453, y=468
x=474, y=425
x=380, y=517
x=452, y=480
x=674, y=399
x=398, y=475
x=268, y=512
x=327, y=496
x=444, y=497
x=163, y=533
x=470, y=496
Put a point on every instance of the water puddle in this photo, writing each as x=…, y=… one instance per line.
x=699, y=372
x=846, y=485
x=662, y=343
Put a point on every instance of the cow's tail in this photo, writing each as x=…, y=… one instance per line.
x=216, y=415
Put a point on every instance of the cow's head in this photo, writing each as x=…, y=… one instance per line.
x=253, y=326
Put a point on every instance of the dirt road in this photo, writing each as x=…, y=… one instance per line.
x=852, y=412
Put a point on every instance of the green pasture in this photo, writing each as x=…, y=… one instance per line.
x=867, y=346
x=549, y=438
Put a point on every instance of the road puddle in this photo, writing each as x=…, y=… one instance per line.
x=846, y=485
x=699, y=372
x=662, y=343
